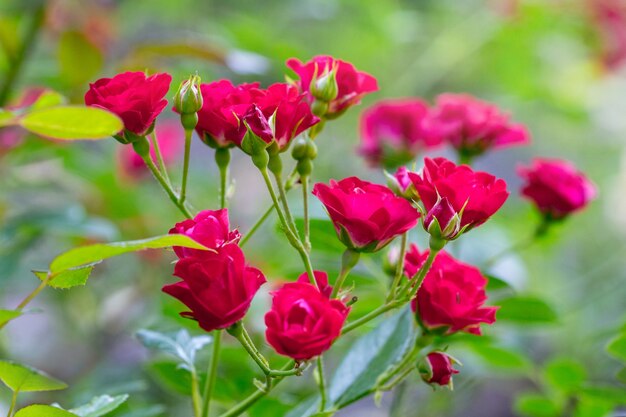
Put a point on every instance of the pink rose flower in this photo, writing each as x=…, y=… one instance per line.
x=210, y=228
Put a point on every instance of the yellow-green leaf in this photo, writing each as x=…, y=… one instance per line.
x=41, y=410
x=72, y=122
x=24, y=378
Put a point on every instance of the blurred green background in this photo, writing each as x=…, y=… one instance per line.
x=557, y=66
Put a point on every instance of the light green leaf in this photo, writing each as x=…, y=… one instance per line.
x=79, y=59
x=495, y=284
x=40, y=410
x=535, y=405
x=525, y=309
x=501, y=358
x=617, y=347
x=68, y=278
x=565, y=374
x=72, y=122
x=6, y=118
x=99, y=406
x=369, y=357
x=48, y=98
x=8, y=315
x=24, y=378
x=621, y=375
x=94, y=253
x=610, y=393
x=180, y=345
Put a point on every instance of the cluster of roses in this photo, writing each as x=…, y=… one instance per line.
x=306, y=316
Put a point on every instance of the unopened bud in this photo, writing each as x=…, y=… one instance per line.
x=436, y=368
x=324, y=87
x=442, y=221
x=188, y=98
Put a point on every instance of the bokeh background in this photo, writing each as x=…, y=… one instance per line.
x=558, y=66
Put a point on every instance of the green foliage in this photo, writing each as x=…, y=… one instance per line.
x=534, y=405
x=99, y=406
x=565, y=374
x=322, y=235
x=79, y=59
x=72, y=122
x=180, y=345
x=617, y=347
x=21, y=378
x=8, y=315
x=525, y=310
x=68, y=278
x=40, y=410
x=501, y=358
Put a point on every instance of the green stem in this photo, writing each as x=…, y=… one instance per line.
x=195, y=394
x=370, y=316
x=399, y=268
x=283, y=198
x=183, y=187
x=321, y=383
x=262, y=362
x=211, y=373
x=349, y=259
x=293, y=240
x=13, y=403
x=305, y=203
x=15, y=67
x=256, y=226
x=159, y=155
x=520, y=245
x=43, y=284
x=389, y=386
x=168, y=189
x=465, y=158
x=416, y=282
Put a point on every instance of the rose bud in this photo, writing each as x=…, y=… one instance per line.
x=217, y=287
x=393, y=132
x=303, y=321
x=556, y=187
x=400, y=183
x=352, y=85
x=473, y=126
x=224, y=105
x=452, y=295
x=170, y=137
x=442, y=221
x=473, y=195
x=259, y=133
x=436, y=368
x=209, y=228
x=133, y=96
x=188, y=101
x=366, y=216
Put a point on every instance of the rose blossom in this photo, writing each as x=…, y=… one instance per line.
x=170, y=137
x=217, y=287
x=303, y=321
x=556, y=187
x=452, y=294
x=474, y=195
x=473, y=126
x=134, y=97
x=436, y=368
x=209, y=228
x=366, y=216
x=224, y=104
x=352, y=85
x=394, y=131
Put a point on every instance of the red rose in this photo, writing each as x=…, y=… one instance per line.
x=436, y=368
x=556, y=187
x=136, y=98
x=366, y=216
x=291, y=115
x=352, y=85
x=303, y=321
x=394, y=131
x=474, y=195
x=224, y=105
x=473, y=126
x=452, y=294
x=217, y=287
x=170, y=136
x=209, y=228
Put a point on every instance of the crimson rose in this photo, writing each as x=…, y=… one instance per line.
x=209, y=228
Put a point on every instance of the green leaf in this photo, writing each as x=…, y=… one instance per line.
x=170, y=375
x=68, y=278
x=525, y=309
x=8, y=315
x=79, y=59
x=621, y=375
x=501, y=358
x=565, y=374
x=24, y=378
x=72, y=122
x=99, y=406
x=535, y=405
x=605, y=393
x=48, y=98
x=369, y=357
x=495, y=284
x=6, y=118
x=95, y=253
x=180, y=345
x=40, y=410
x=617, y=347
x=322, y=235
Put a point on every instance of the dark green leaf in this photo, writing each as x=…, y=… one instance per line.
x=68, y=278
x=534, y=405
x=565, y=374
x=99, y=406
x=24, y=378
x=617, y=347
x=525, y=309
x=40, y=410
x=72, y=122
x=94, y=253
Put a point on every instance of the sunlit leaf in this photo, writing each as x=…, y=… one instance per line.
x=8, y=315
x=48, y=98
x=499, y=357
x=535, y=405
x=72, y=122
x=99, y=406
x=565, y=374
x=525, y=309
x=68, y=278
x=617, y=347
x=24, y=378
x=40, y=410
